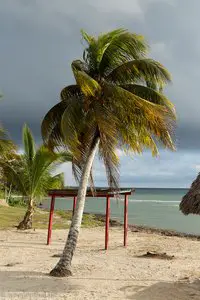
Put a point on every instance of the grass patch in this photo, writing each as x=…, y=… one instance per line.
x=89, y=220
x=11, y=216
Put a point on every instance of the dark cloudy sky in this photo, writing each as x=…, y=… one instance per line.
x=40, y=38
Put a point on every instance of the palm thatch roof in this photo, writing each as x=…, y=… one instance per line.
x=190, y=203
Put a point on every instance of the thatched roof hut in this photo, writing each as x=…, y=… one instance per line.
x=190, y=203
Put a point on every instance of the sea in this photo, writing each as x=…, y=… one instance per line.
x=153, y=207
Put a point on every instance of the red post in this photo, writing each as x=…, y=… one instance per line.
x=107, y=222
x=50, y=220
x=74, y=205
x=125, y=219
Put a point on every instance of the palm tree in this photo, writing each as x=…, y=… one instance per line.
x=11, y=157
x=117, y=102
x=7, y=153
x=32, y=171
x=6, y=145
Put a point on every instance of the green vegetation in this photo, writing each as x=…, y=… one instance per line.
x=10, y=217
x=6, y=145
x=89, y=220
x=16, y=202
x=31, y=173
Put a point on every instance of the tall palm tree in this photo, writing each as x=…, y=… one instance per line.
x=117, y=102
x=32, y=171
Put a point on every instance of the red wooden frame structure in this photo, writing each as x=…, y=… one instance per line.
x=100, y=192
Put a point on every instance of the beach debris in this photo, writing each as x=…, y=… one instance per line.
x=163, y=232
x=13, y=264
x=57, y=255
x=154, y=254
x=185, y=278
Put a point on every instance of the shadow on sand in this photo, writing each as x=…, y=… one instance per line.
x=34, y=282
x=165, y=291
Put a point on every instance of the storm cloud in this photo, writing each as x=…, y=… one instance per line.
x=39, y=39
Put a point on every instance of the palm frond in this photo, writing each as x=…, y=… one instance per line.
x=104, y=40
x=90, y=53
x=43, y=163
x=86, y=135
x=64, y=156
x=88, y=38
x=133, y=140
x=151, y=95
x=135, y=112
x=140, y=70
x=70, y=91
x=56, y=139
x=71, y=123
x=87, y=84
x=29, y=144
x=50, y=127
x=124, y=46
x=107, y=152
x=57, y=181
x=51, y=120
x=79, y=65
x=107, y=125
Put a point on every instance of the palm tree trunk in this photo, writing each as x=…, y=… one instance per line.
x=9, y=191
x=63, y=267
x=5, y=192
x=26, y=223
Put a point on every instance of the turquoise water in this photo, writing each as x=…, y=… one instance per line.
x=152, y=207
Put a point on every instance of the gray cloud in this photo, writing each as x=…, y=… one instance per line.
x=169, y=169
x=39, y=39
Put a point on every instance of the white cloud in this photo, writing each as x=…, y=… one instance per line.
x=197, y=167
x=161, y=51
x=171, y=2
x=169, y=170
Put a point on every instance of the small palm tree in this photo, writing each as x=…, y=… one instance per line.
x=117, y=102
x=31, y=173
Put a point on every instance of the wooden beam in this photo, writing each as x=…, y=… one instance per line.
x=50, y=220
x=99, y=192
x=107, y=222
x=74, y=204
x=125, y=219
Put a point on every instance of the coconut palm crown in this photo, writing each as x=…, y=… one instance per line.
x=117, y=98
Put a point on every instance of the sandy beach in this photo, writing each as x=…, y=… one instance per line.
x=116, y=274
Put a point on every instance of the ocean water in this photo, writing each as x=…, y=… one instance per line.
x=147, y=206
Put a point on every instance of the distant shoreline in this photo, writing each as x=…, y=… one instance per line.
x=151, y=230
x=142, y=228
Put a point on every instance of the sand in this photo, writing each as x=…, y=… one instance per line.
x=119, y=273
